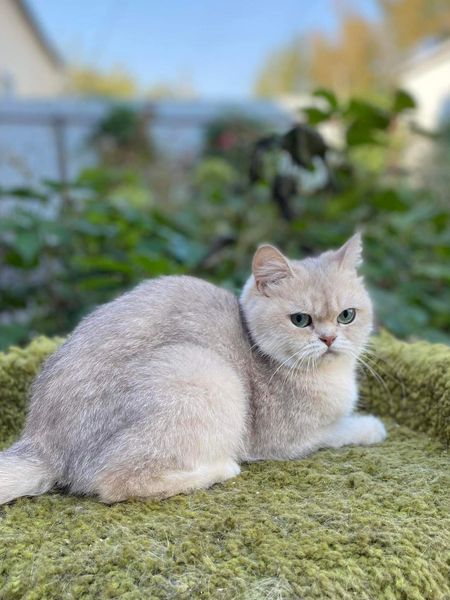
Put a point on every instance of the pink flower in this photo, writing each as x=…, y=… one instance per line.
x=227, y=140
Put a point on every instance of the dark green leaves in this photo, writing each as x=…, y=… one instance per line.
x=402, y=101
x=329, y=97
x=304, y=144
x=326, y=110
x=116, y=228
x=57, y=266
x=316, y=115
x=364, y=123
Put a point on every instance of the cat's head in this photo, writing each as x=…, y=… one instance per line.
x=312, y=310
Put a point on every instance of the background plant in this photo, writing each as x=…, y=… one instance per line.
x=122, y=137
x=60, y=259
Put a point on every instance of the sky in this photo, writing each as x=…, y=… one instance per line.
x=215, y=47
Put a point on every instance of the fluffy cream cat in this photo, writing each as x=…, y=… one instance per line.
x=169, y=387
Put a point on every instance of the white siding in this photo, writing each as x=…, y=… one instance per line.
x=428, y=80
x=25, y=67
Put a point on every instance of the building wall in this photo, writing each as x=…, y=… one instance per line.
x=429, y=82
x=25, y=67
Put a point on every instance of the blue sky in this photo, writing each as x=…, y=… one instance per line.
x=216, y=45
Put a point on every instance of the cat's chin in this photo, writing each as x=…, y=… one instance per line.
x=330, y=354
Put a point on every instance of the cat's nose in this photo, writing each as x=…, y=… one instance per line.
x=328, y=339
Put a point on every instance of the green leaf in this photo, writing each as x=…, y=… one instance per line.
x=26, y=193
x=12, y=333
x=433, y=271
x=27, y=244
x=366, y=115
x=315, y=115
x=389, y=200
x=358, y=134
x=99, y=282
x=327, y=95
x=304, y=143
x=152, y=266
x=402, y=101
x=104, y=263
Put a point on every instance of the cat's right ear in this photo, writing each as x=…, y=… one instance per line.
x=269, y=267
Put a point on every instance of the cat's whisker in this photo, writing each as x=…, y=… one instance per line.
x=373, y=372
x=283, y=363
x=289, y=371
x=376, y=360
x=294, y=367
x=305, y=360
x=298, y=367
x=363, y=360
x=368, y=354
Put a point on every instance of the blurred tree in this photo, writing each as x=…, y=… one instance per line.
x=346, y=65
x=410, y=21
x=161, y=91
x=285, y=71
x=89, y=81
x=349, y=64
x=182, y=87
x=363, y=56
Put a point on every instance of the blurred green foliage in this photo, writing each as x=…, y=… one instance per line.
x=110, y=231
x=122, y=136
x=231, y=136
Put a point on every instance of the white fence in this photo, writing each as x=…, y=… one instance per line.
x=48, y=139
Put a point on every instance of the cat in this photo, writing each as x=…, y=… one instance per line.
x=171, y=386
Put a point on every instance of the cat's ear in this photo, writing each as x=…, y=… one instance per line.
x=269, y=267
x=349, y=255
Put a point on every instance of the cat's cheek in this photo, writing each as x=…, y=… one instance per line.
x=358, y=334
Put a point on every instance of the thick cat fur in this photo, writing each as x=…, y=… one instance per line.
x=171, y=386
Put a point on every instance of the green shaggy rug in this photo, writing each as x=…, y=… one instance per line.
x=356, y=523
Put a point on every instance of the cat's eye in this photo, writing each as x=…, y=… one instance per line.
x=301, y=319
x=347, y=316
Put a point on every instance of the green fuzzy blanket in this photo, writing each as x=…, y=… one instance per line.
x=357, y=523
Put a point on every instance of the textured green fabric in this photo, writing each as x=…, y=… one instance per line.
x=356, y=523
x=18, y=367
x=415, y=384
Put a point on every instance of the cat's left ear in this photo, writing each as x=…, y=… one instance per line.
x=269, y=267
x=349, y=255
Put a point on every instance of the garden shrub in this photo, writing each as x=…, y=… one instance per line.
x=60, y=259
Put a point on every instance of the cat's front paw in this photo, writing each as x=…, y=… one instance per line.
x=370, y=430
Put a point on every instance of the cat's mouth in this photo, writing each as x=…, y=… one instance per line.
x=328, y=352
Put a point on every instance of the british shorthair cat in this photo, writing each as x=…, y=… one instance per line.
x=172, y=385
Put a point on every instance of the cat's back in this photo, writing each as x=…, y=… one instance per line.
x=100, y=361
x=158, y=312
x=165, y=310
x=108, y=375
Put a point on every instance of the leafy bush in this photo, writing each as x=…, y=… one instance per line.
x=406, y=227
x=58, y=266
x=230, y=136
x=122, y=136
x=111, y=231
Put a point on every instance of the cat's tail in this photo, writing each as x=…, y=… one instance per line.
x=23, y=473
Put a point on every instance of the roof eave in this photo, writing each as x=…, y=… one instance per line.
x=41, y=38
